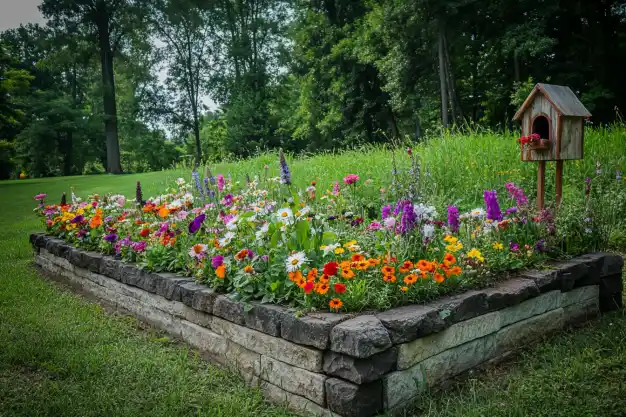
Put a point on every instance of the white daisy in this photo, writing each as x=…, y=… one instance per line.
x=478, y=213
x=232, y=223
x=224, y=241
x=295, y=261
x=285, y=215
x=198, y=251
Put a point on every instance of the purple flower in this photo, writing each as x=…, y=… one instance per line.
x=77, y=219
x=195, y=224
x=407, y=221
x=251, y=254
x=493, y=208
x=220, y=182
x=216, y=261
x=511, y=210
x=227, y=200
x=386, y=211
x=285, y=174
x=265, y=258
x=540, y=246
x=513, y=247
x=82, y=233
x=40, y=197
x=516, y=193
x=356, y=222
x=139, y=246
x=196, y=179
x=111, y=237
x=453, y=218
x=336, y=188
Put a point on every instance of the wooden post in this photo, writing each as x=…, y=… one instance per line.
x=559, y=181
x=541, y=184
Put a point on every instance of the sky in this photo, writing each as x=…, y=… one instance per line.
x=15, y=12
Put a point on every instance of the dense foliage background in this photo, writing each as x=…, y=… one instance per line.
x=125, y=85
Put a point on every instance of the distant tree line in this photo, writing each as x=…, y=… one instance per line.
x=122, y=85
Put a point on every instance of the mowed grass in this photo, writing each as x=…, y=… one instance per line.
x=61, y=355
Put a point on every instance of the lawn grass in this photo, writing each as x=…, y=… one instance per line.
x=61, y=355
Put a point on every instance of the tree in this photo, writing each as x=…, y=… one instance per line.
x=185, y=28
x=104, y=23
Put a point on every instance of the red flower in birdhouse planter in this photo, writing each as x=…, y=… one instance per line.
x=534, y=142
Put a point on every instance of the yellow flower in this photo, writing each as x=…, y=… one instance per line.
x=475, y=253
x=454, y=247
x=498, y=246
x=351, y=243
x=339, y=251
x=450, y=239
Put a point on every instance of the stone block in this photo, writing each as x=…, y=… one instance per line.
x=111, y=267
x=92, y=260
x=462, y=307
x=360, y=371
x=520, y=334
x=293, y=379
x=351, y=400
x=613, y=264
x=311, y=330
x=195, y=316
x=533, y=307
x=77, y=259
x=265, y=318
x=62, y=262
x=578, y=313
x=204, y=299
x=188, y=292
x=293, y=402
x=130, y=274
x=610, y=289
x=510, y=293
x=36, y=237
x=546, y=280
x=40, y=240
x=229, y=309
x=579, y=295
x=167, y=285
x=204, y=339
x=297, y=355
x=570, y=271
x=418, y=350
x=361, y=337
x=242, y=360
x=411, y=322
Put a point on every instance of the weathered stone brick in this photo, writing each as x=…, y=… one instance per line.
x=523, y=332
x=204, y=339
x=510, y=293
x=411, y=322
x=546, y=280
x=360, y=371
x=293, y=379
x=204, y=299
x=578, y=313
x=569, y=272
x=361, y=337
x=229, y=309
x=265, y=318
x=533, y=307
x=294, y=402
x=351, y=400
x=461, y=307
x=311, y=330
x=188, y=292
x=579, y=295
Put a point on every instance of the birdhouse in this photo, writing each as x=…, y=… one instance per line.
x=552, y=124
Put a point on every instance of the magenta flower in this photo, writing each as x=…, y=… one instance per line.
x=350, y=179
x=373, y=226
x=220, y=182
x=493, y=208
x=386, y=211
x=336, y=188
x=112, y=237
x=216, y=261
x=516, y=193
x=453, y=218
x=40, y=197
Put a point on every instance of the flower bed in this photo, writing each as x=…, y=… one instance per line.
x=315, y=250
x=347, y=365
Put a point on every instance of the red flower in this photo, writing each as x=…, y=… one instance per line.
x=340, y=288
x=308, y=287
x=331, y=268
x=144, y=232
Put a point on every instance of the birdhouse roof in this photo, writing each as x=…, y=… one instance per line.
x=561, y=97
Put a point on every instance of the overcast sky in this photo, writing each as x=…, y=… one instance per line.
x=14, y=12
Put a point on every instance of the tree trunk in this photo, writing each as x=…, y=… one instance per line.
x=516, y=65
x=442, y=76
x=67, y=154
x=196, y=133
x=108, y=94
x=457, y=113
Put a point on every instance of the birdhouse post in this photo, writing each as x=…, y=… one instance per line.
x=552, y=120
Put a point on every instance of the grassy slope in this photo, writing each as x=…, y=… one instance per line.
x=60, y=355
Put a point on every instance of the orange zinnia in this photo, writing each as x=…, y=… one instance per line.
x=456, y=270
x=312, y=275
x=322, y=288
x=410, y=279
x=388, y=270
x=95, y=222
x=389, y=278
x=249, y=269
x=335, y=304
x=220, y=271
x=439, y=278
x=406, y=267
x=241, y=254
x=357, y=257
x=449, y=259
x=347, y=273
x=295, y=276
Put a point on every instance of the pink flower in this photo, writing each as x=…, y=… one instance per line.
x=350, y=179
x=220, y=182
x=40, y=197
x=373, y=226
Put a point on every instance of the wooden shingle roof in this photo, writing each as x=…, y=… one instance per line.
x=562, y=98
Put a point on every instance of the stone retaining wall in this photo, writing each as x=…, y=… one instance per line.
x=348, y=365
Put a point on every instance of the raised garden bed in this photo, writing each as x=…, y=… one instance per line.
x=346, y=364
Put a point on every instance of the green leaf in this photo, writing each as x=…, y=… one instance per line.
x=275, y=238
x=302, y=232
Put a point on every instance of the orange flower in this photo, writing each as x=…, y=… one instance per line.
x=96, y=221
x=404, y=289
x=362, y=265
x=301, y=282
x=388, y=270
x=389, y=278
x=147, y=208
x=241, y=254
x=322, y=288
x=220, y=271
x=163, y=212
x=324, y=279
x=406, y=267
x=356, y=257
x=423, y=265
x=295, y=276
x=345, y=264
x=456, y=270
x=312, y=275
x=410, y=279
x=449, y=259
x=248, y=269
x=335, y=304
x=439, y=278
x=373, y=261
x=347, y=273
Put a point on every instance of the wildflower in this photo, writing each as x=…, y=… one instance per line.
x=339, y=251
x=453, y=218
x=325, y=279
x=195, y=225
x=357, y=257
x=112, y=237
x=241, y=255
x=454, y=247
x=540, y=246
x=217, y=261
x=295, y=261
x=40, y=197
x=387, y=270
x=350, y=179
x=164, y=212
x=198, y=250
x=285, y=174
x=410, y=279
x=408, y=219
x=335, y=191
x=145, y=232
x=406, y=267
x=477, y=213
x=220, y=271
x=347, y=273
x=497, y=246
x=513, y=247
x=449, y=259
x=335, y=304
x=295, y=276
x=475, y=254
x=312, y=275
x=322, y=288
x=339, y=288
x=373, y=262
x=331, y=268
x=389, y=278
x=248, y=269
x=428, y=231
x=516, y=193
x=450, y=239
x=456, y=270
x=285, y=215
x=404, y=289
x=139, y=246
x=77, y=219
x=493, y=208
x=220, y=182
x=309, y=287
x=300, y=281
x=438, y=278
x=386, y=211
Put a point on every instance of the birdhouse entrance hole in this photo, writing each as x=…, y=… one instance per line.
x=541, y=126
